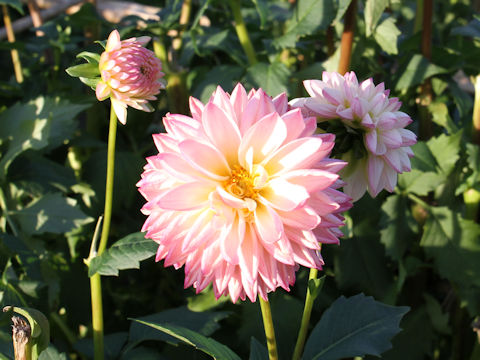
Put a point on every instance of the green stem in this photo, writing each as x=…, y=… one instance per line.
x=95, y=280
x=97, y=315
x=269, y=329
x=419, y=201
x=242, y=32
x=307, y=312
x=107, y=213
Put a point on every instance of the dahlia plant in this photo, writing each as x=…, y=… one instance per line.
x=130, y=75
x=366, y=111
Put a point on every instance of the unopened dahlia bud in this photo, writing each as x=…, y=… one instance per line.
x=130, y=75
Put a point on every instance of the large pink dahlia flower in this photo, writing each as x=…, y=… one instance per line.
x=367, y=110
x=241, y=193
x=131, y=75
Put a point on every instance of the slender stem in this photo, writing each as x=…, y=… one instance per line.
x=107, y=213
x=95, y=280
x=347, y=38
x=419, y=201
x=17, y=66
x=269, y=329
x=97, y=315
x=307, y=312
x=161, y=53
x=242, y=32
x=184, y=18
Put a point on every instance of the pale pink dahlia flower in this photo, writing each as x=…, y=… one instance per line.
x=131, y=75
x=241, y=193
x=367, y=110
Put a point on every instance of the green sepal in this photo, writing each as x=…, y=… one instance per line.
x=90, y=57
x=103, y=43
x=92, y=82
x=88, y=70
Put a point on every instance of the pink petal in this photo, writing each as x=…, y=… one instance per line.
x=113, y=42
x=206, y=159
x=295, y=124
x=298, y=154
x=120, y=109
x=303, y=218
x=222, y=131
x=268, y=224
x=188, y=196
x=263, y=138
x=283, y=195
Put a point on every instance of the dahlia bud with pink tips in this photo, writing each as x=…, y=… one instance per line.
x=241, y=193
x=130, y=75
x=367, y=112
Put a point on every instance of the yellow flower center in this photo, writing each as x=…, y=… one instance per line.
x=243, y=185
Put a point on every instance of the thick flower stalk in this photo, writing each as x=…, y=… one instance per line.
x=241, y=193
x=366, y=111
x=130, y=75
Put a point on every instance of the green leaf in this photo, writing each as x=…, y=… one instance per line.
x=51, y=353
x=51, y=213
x=362, y=265
x=420, y=183
x=40, y=328
x=445, y=149
x=423, y=159
x=416, y=340
x=126, y=253
x=200, y=342
x=418, y=69
x=472, y=29
x=373, y=11
x=454, y=245
x=41, y=123
x=473, y=179
x=205, y=323
x=396, y=234
x=205, y=300
x=262, y=10
x=272, y=78
x=386, y=34
x=17, y=4
x=441, y=117
x=257, y=350
x=88, y=70
x=223, y=75
x=354, y=326
x=308, y=17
